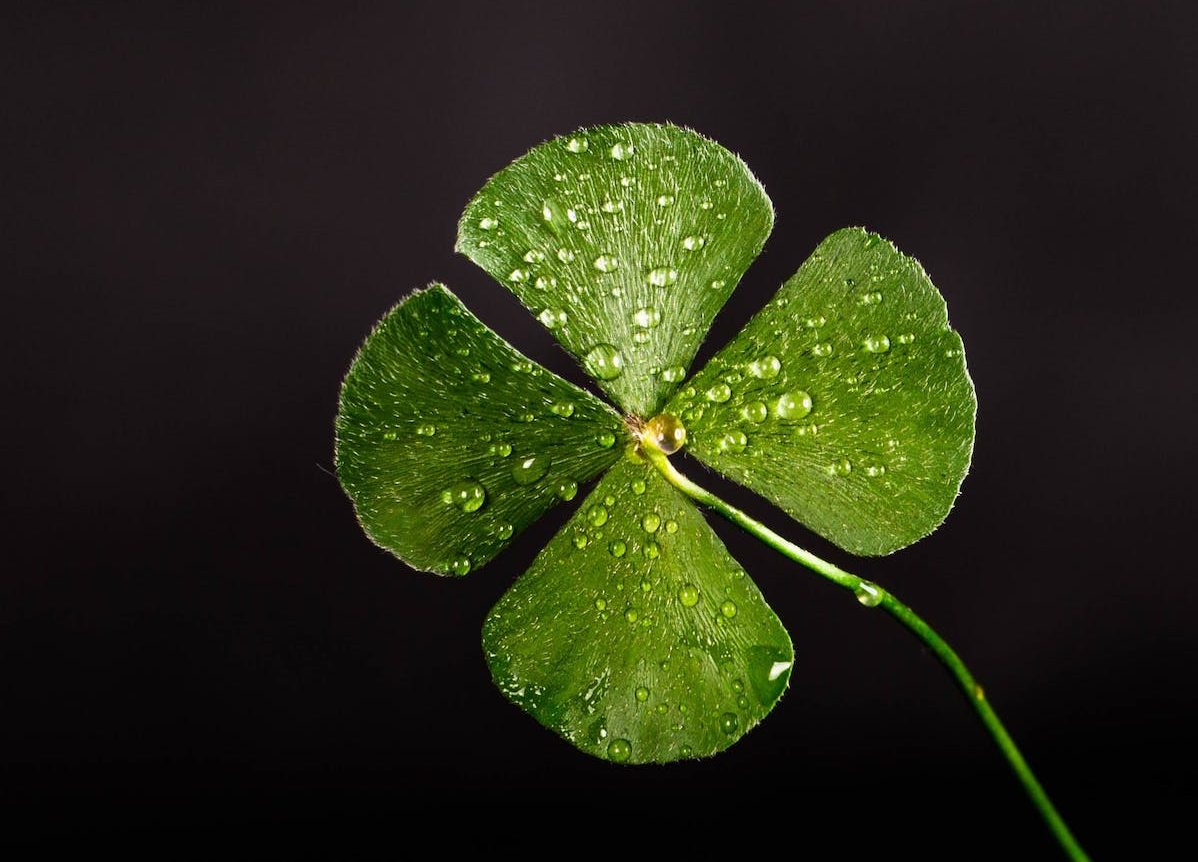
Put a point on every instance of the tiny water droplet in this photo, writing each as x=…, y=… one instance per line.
x=621, y=151
x=646, y=317
x=651, y=522
x=693, y=243
x=876, y=344
x=671, y=527
x=754, y=411
x=638, y=486
x=840, y=468
x=607, y=263
x=728, y=608
x=661, y=708
x=642, y=693
x=665, y=200
x=652, y=550
x=518, y=275
x=581, y=540
x=606, y=439
x=610, y=206
x=426, y=430
x=719, y=393
x=460, y=565
x=481, y=377
x=793, y=405
x=706, y=205
x=766, y=368
x=619, y=750
x=600, y=604
x=578, y=145
x=534, y=256
x=868, y=594
x=641, y=336
x=906, y=338
x=566, y=490
x=734, y=441
x=631, y=615
x=565, y=409
x=823, y=349
x=505, y=531
x=673, y=374
x=604, y=362
x=718, y=284
x=565, y=255
x=688, y=595
x=742, y=702
x=488, y=223
x=597, y=516
x=552, y=318
x=662, y=276
x=617, y=548
x=875, y=470
x=737, y=685
x=729, y=723
x=390, y=435
x=871, y=298
x=530, y=469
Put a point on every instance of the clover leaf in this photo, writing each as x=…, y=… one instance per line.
x=846, y=401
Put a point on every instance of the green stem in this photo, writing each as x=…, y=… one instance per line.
x=872, y=595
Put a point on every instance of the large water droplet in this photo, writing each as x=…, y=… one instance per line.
x=769, y=670
x=719, y=393
x=662, y=276
x=754, y=411
x=530, y=469
x=666, y=432
x=652, y=550
x=619, y=750
x=688, y=595
x=646, y=317
x=875, y=470
x=607, y=263
x=767, y=367
x=734, y=441
x=597, y=516
x=869, y=594
x=604, y=362
x=793, y=405
x=729, y=723
x=468, y=495
x=876, y=344
x=651, y=522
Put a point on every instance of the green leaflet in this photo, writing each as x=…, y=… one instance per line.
x=625, y=240
x=450, y=442
x=845, y=400
x=634, y=634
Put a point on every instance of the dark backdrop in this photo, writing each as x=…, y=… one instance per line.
x=207, y=209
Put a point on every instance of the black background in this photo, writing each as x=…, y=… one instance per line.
x=206, y=211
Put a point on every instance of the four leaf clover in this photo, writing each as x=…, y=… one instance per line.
x=635, y=635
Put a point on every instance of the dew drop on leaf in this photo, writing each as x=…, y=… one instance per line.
x=468, y=495
x=688, y=595
x=729, y=723
x=605, y=362
x=767, y=367
x=622, y=151
x=619, y=750
x=793, y=405
x=734, y=441
x=642, y=694
x=617, y=548
x=719, y=393
x=754, y=411
x=876, y=344
x=607, y=263
x=662, y=276
x=693, y=243
x=530, y=469
x=566, y=490
x=728, y=608
x=650, y=522
x=606, y=439
x=647, y=317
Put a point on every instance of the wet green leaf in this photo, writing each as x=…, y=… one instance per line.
x=634, y=634
x=450, y=442
x=845, y=400
x=625, y=241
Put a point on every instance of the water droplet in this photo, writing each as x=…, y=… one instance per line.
x=718, y=284
x=600, y=604
x=688, y=595
x=518, y=275
x=638, y=486
x=641, y=336
x=734, y=441
x=610, y=206
x=869, y=594
x=875, y=470
x=767, y=367
x=652, y=550
x=871, y=298
x=666, y=432
x=597, y=516
x=565, y=409
x=671, y=527
x=651, y=522
x=631, y=615
x=481, y=377
x=488, y=223
x=793, y=405
x=581, y=540
x=665, y=200
x=426, y=430
x=662, y=276
x=661, y=708
x=607, y=263
x=823, y=349
x=390, y=435
x=621, y=151
x=729, y=723
x=565, y=255
x=460, y=565
x=505, y=531
x=526, y=418
x=840, y=468
x=906, y=338
x=617, y=548
x=693, y=243
x=604, y=362
x=737, y=685
x=742, y=702
x=606, y=439
x=673, y=374
x=646, y=317
x=566, y=490
x=578, y=145
x=468, y=495
x=876, y=344
x=754, y=411
x=552, y=318
x=728, y=608
x=719, y=393
x=769, y=670
x=642, y=693
x=619, y=750
x=530, y=469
